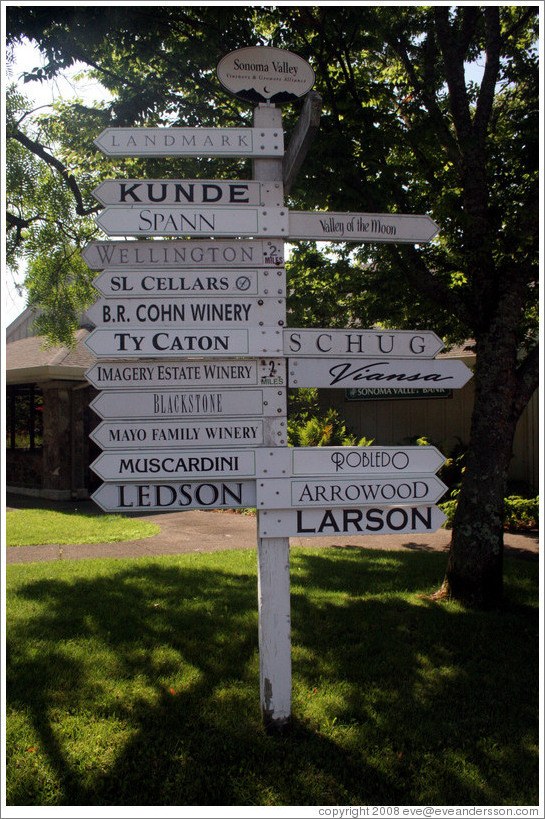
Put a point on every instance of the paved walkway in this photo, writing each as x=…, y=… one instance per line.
x=198, y=531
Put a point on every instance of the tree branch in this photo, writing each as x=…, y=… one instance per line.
x=61, y=169
x=491, y=71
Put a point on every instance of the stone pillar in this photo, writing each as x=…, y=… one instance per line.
x=57, y=440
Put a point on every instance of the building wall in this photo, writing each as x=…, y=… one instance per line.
x=59, y=470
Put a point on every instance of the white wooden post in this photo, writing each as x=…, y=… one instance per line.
x=273, y=567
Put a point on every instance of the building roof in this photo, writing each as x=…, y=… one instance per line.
x=30, y=360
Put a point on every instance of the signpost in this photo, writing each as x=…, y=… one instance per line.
x=354, y=372
x=226, y=142
x=191, y=347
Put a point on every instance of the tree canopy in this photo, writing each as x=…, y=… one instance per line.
x=404, y=129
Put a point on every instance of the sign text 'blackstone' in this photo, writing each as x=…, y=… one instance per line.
x=171, y=404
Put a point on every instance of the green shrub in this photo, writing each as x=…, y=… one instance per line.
x=322, y=430
x=519, y=513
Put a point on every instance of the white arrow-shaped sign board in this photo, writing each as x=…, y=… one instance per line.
x=175, y=496
x=243, y=142
x=351, y=372
x=182, y=404
x=165, y=342
x=348, y=461
x=224, y=432
x=183, y=254
x=183, y=313
x=188, y=284
x=311, y=342
x=366, y=520
x=322, y=492
x=188, y=192
x=326, y=226
x=128, y=465
x=264, y=372
x=193, y=221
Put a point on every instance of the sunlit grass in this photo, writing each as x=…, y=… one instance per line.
x=36, y=527
x=136, y=682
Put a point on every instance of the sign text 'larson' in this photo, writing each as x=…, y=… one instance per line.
x=367, y=520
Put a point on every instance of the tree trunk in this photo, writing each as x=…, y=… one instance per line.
x=475, y=566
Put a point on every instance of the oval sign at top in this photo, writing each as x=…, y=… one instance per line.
x=265, y=74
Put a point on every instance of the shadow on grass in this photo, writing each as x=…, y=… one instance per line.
x=397, y=701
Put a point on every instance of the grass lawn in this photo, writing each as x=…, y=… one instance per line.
x=37, y=527
x=136, y=682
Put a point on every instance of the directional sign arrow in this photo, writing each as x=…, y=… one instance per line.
x=214, y=432
x=367, y=520
x=193, y=221
x=165, y=342
x=321, y=492
x=184, y=404
x=361, y=343
x=253, y=142
x=368, y=461
x=326, y=226
x=181, y=313
x=191, y=283
x=264, y=372
x=175, y=496
x=175, y=464
x=188, y=254
x=392, y=373
x=187, y=191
